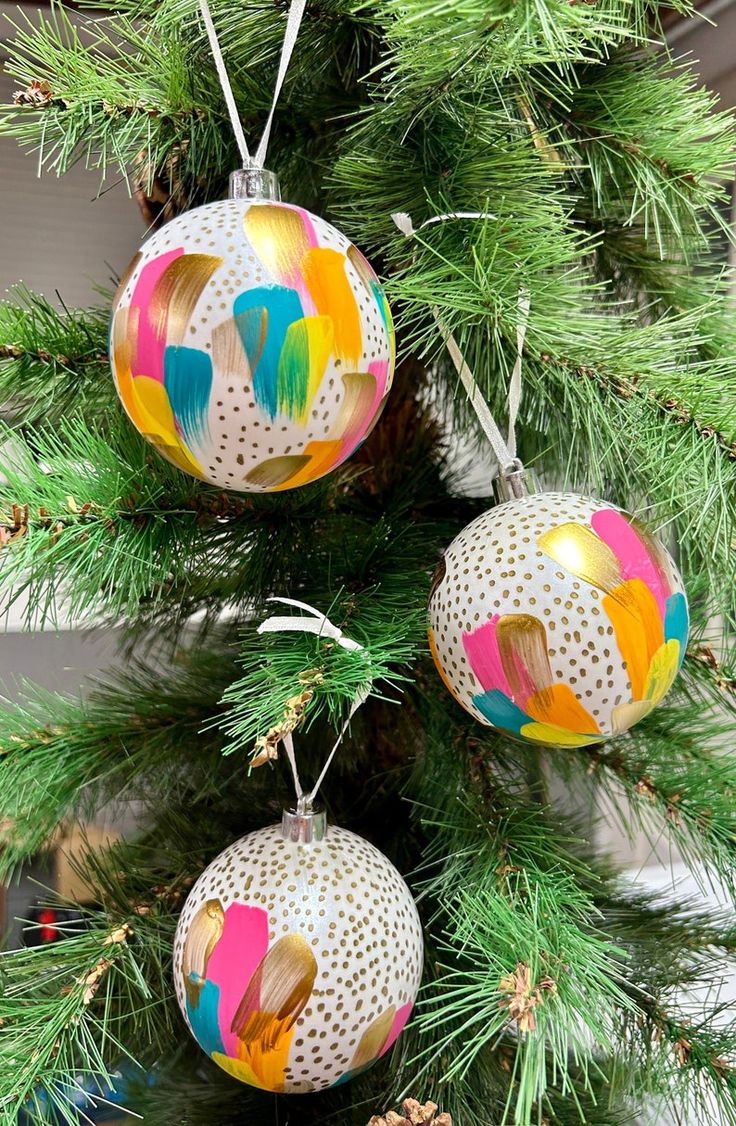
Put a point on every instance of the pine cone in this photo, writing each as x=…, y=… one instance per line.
x=414, y=1115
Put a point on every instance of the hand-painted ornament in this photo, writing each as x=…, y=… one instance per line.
x=298, y=956
x=251, y=343
x=557, y=619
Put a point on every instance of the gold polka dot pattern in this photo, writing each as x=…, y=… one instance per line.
x=557, y=619
x=296, y=965
x=252, y=344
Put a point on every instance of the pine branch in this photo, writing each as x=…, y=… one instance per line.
x=52, y=362
x=58, y=1001
x=137, y=736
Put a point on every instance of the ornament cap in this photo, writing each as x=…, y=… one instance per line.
x=254, y=182
x=515, y=482
x=303, y=825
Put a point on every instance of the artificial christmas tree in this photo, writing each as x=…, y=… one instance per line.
x=575, y=173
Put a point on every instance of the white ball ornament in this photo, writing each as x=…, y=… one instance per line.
x=557, y=619
x=298, y=956
x=251, y=342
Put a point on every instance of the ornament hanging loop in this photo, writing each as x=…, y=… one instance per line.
x=251, y=164
x=510, y=468
x=314, y=621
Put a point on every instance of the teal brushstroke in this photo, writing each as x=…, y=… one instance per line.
x=188, y=382
x=204, y=1019
x=500, y=711
x=281, y=307
x=676, y=622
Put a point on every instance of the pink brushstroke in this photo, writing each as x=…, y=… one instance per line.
x=631, y=552
x=400, y=1019
x=379, y=369
x=233, y=962
x=148, y=354
x=481, y=649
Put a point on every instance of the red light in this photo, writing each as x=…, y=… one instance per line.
x=47, y=917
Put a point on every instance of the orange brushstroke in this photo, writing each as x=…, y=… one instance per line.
x=558, y=706
x=323, y=270
x=271, y=1005
x=323, y=456
x=632, y=610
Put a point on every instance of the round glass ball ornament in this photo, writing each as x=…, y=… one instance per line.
x=298, y=956
x=251, y=342
x=555, y=618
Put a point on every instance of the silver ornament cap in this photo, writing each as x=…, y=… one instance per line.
x=303, y=825
x=254, y=182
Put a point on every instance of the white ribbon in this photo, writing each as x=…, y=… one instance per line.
x=293, y=21
x=319, y=624
x=504, y=449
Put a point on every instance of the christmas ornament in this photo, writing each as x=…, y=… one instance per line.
x=556, y=618
x=298, y=956
x=251, y=342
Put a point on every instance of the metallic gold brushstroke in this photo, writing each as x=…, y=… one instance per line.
x=373, y=1039
x=271, y=1005
x=205, y=931
x=361, y=266
x=279, y=238
x=522, y=645
x=579, y=550
x=228, y=355
x=277, y=993
x=275, y=471
x=321, y=458
x=439, y=573
x=176, y=293
x=357, y=401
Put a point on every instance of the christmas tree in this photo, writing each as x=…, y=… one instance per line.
x=564, y=176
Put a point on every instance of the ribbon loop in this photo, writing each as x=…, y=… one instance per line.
x=319, y=624
x=504, y=449
x=293, y=22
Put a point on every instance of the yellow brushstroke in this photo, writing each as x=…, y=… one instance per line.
x=579, y=550
x=276, y=472
x=278, y=236
x=557, y=736
x=323, y=270
x=205, y=931
x=373, y=1039
x=151, y=404
x=320, y=339
x=625, y=716
x=662, y=671
x=357, y=401
x=176, y=293
x=241, y=1070
x=633, y=612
